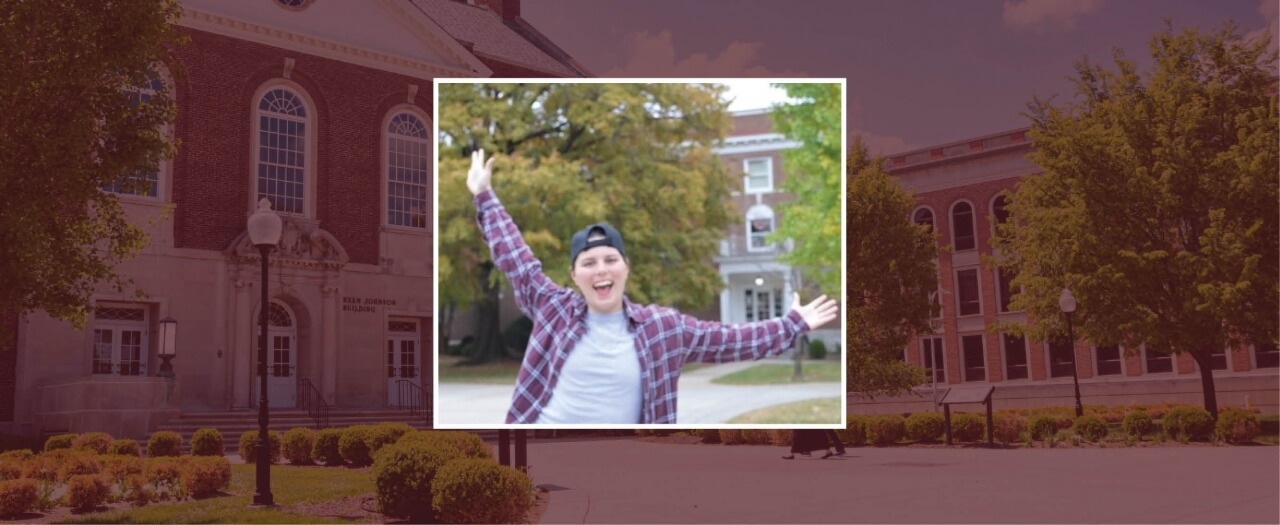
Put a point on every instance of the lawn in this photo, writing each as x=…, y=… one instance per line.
x=496, y=373
x=778, y=374
x=817, y=411
x=289, y=485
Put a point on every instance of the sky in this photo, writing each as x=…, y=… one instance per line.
x=920, y=72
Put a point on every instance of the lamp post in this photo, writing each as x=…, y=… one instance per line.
x=264, y=231
x=1067, y=303
x=168, y=345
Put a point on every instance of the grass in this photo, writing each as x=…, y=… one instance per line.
x=821, y=410
x=289, y=485
x=496, y=373
x=777, y=374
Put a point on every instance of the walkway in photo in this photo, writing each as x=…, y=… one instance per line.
x=701, y=402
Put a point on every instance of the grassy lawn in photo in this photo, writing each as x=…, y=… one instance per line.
x=780, y=374
x=289, y=486
x=495, y=373
x=821, y=410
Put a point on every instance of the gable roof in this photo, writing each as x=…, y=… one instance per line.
x=485, y=33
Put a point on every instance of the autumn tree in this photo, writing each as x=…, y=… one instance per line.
x=635, y=155
x=70, y=124
x=889, y=273
x=1157, y=205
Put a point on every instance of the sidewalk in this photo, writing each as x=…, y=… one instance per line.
x=631, y=481
x=701, y=402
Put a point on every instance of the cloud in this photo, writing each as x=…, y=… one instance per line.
x=1270, y=11
x=1046, y=14
x=876, y=143
x=654, y=55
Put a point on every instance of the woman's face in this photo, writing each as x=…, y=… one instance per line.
x=601, y=275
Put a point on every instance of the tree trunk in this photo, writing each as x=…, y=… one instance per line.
x=446, y=325
x=488, y=337
x=1204, y=360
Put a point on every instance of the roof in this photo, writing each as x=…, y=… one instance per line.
x=484, y=32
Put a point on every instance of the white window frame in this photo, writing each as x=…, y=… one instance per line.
x=955, y=275
x=165, y=166
x=746, y=175
x=931, y=367
x=1094, y=350
x=758, y=212
x=1004, y=357
x=116, y=326
x=991, y=211
x=964, y=368
x=912, y=217
x=386, y=168
x=1253, y=359
x=951, y=222
x=309, y=169
x=1173, y=363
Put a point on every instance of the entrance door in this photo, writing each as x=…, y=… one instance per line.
x=404, y=344
x=282, y=360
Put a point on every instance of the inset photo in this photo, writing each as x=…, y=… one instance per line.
x=639, y=254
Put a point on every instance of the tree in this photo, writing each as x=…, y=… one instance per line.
x=635, y=155
x=68, y=127
x=1157, y=205
x=889, y=272
x=812, y=220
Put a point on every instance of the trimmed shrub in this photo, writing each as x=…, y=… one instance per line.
x=124, y=447
x=249, y=446
x=779, y=437
x=402, y=475
x=95, y=442
x=1137, y=423
x=480, y=491
x=924, y=426
x=204, y=476
x=817, y=350
x=165, y=474
x=58, y=442
x=1009, y=427
x=885, y=429
x=297, y=445
x=1042, y=427
x=86, y=492
x=731, y=436
x=468, y=444
x=354, y=445
x=1237, y=426
x=1192, y=422
x=968, y=427
x=325, y=448
x=137, y=490
x=708, y=435
x=207, y=442
x=164, y=443
x=385, y=434
x=1090, y=427
x=755, y=436
x=17, y=496
x=72, y=462
x=855, y=430
x=13, y=463
x=118, y=468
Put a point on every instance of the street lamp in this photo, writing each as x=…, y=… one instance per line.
x=1067, y=303
x=264, y=232
x=168, y=345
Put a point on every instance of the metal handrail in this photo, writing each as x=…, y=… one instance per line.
x=317, y=408
x=413, y=398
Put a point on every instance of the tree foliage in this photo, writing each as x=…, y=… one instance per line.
x=889, y=272
x=67, y=128
x=635, y=155
x=812, y=220
x=1157, y=205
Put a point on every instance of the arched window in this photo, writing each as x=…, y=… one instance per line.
x=760, y=223
x=281, y=151
x=408, y=153
x=142, y=182
x=999, y=214
x=962, y=236
x=923, y=216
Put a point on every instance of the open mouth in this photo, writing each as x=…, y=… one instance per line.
x=603, y=288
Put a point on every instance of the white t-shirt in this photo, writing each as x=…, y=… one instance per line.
x=600, y=380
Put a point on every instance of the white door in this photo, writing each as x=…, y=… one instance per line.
x=404, y=372
x=282, y=360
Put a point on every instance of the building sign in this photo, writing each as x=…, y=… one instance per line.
x=365, y=304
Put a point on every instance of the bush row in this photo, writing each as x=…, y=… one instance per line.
x=448, y=477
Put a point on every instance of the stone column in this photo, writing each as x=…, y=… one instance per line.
x=726, y=309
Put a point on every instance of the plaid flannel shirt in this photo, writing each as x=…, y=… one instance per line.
x=665, y=338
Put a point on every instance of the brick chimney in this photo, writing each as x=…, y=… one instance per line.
x=507, y=9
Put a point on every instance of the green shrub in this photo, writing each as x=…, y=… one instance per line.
x=124, y=447
x=1042, y=427
x=708, y=435
x=1090, y=427
x=516, y=336
x=354, y=445
x=855, y=430
x=73, y=462
x=165, y=474
x=325, y=448
x=95, y=442
x=480, y=491
x=118, y=468
x=1009, y=427
x=1237, y=426
x=385, y=434
x=756, y=436
x=817, y=350
x=968, y=427
x=249, y=446
x=1137, y=424
x=885, y=429
x=87, y=491
x=204, y=476
x=468, y=444
x=14, y=462
x=164, y=443
x=731, y=436
x=297, y=445
x=779, y=437
x=58, y=442
x=402, y=475
x=924, y=426
x=1192, y=422
x=207, y=442
x=17, y=496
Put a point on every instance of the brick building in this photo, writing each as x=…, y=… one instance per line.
x=323, y=107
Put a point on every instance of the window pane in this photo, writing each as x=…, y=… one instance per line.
x=1108, y=360
x=1218, y=360
x=1015, y=357
x=931, y=354
x=1060, y=359
x=1158, y=362
x=924, y=216
x=962, y=224
x=1266, y=355
x=968, y=292
x=974, y=367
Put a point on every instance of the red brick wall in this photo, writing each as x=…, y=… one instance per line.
x=751, y=125
x=213, y=168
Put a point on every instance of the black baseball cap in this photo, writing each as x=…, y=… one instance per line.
x=580, y=242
